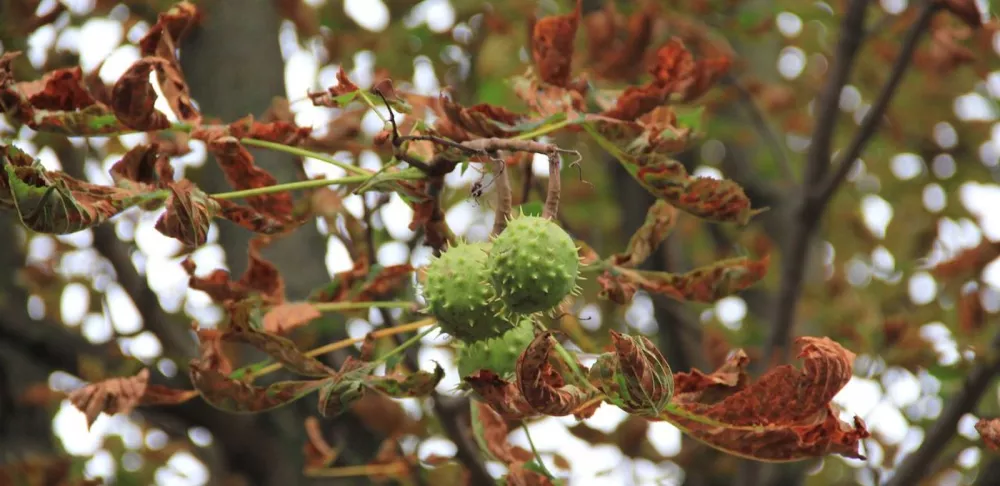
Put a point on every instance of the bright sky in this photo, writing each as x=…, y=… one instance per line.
x=882, y=405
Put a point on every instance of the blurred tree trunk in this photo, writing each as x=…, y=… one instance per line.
x=20, y=366
x=234, y=67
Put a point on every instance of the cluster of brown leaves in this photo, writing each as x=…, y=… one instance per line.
x=62, y=101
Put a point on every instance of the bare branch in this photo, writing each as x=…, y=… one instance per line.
x=874, y=116
x=851, y=34
x=805, y=221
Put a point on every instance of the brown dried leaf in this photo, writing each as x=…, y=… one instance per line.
x=189, y=214
x=210, y=350
x=785, y=416
x=552, y=46
x=518, y=475
x=503, y=396
x=659, y=221
x=144, y=164
x=241, y=173
x=704, y=284
x=677, y=77
x=616, y=287
x=161, y=43
x=261, y=278
x=83, y=116
x=59, y=90
x=481, y=120
x=989, y=430
x=121, y=395
x=133, y=97
x=540, y=379
x=616, y=46
x=55, y=203
x=285, y=317
x=494, y=434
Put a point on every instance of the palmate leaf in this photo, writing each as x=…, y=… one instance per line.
x=54, y=203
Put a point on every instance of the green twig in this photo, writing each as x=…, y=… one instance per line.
x=301, y=152
x=290, y=186
x=538, y=457
x=340, y=306
x=543, y=130
x=405, y=344
x=369, y=102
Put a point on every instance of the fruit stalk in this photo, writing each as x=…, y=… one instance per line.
x=504, y=198
x=555, y=187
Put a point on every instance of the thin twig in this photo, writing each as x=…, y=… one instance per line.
x=505, y=199
x=805, y=222
x=874, y=116
x=555, y=187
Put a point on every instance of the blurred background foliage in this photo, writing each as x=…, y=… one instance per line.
x=903, y=272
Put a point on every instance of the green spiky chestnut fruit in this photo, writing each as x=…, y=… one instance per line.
x=458, y=295
x=499, y=354
x=533, y=265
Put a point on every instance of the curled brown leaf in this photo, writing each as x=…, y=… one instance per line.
x=786, y=415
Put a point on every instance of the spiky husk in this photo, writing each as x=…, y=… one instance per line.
x=458, y=295
x=533, y=265
x=498, y=354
